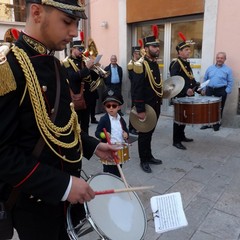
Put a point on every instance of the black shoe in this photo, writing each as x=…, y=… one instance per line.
x=216, y=127
x=187, y=139
x=95, y=121
x=154, y=161
x=145, y=167
x=133, y=132
x=205, y=127
x=179, y=146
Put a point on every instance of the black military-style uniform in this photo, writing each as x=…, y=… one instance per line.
x=142, y=93
x=42, y=181
x=75, y=79
x=175, y=69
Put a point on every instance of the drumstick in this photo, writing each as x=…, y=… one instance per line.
x=116, y=159
x=121, y=190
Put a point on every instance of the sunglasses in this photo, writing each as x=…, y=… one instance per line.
x=111, y=105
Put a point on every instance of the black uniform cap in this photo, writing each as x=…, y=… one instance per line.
x=110, y=95
x=182, y=45
x=71, y=7
x=136, y=49
x=151, y=41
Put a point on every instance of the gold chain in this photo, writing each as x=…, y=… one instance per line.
x=153, y=83
x=48, y=130
x=189, y=74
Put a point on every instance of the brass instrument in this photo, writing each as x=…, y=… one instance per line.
x=92, y=51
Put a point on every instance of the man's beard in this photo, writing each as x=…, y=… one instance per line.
x=153, y=54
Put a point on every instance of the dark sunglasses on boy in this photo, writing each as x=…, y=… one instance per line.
x=111, y=105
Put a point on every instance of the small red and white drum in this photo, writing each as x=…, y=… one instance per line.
x=115, y=216
x=197, y=110
x=123, y=154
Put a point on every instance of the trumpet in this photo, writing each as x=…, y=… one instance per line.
x=92, y=51
x=101, y=72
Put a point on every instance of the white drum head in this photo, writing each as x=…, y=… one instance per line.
x=120, y=215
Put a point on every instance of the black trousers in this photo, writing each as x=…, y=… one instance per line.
x=113, y=169
x=84, y=119
x=178, y=132
x=218, y=92
x=145, y=140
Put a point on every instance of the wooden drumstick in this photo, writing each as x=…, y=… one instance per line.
x=121, y=190
x=116, y=160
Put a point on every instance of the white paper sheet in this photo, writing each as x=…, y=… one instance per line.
x=204, y=84
x=168, y=212
x=97, y=59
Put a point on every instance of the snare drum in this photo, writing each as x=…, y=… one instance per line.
x=115, y=216
x=197, y=110
x=123, y=154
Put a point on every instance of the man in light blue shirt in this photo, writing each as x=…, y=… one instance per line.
x=220, y=82
x=114, y=80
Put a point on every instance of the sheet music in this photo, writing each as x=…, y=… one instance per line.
x=97, y=59
x=168, y=212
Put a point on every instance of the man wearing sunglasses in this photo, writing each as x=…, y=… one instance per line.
x=147, y=89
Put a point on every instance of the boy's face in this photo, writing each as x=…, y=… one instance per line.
x=112, y=108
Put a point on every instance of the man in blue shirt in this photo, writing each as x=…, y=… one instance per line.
x=220, y=84
x=114, y=79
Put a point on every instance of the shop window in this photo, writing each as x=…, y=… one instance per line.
x=13, y=11
x=193, y=31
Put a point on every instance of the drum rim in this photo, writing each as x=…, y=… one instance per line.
x=94, y=222
x=176, y=100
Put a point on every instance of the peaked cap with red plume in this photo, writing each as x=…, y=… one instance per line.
x=153, y=39
x=183, y=44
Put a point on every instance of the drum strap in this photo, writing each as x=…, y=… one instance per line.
x=189, y=74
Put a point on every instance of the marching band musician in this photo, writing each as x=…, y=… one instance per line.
x=79, y=72
x=41, y=144
x=147, y=89
x=181, y=67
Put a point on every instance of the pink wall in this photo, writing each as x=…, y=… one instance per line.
x=228, y=36
x=106, y=39
x=227, y=40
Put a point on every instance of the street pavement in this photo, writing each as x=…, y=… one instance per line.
x=207, y=175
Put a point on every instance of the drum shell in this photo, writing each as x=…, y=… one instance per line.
x=197, y=110
x=123, y=154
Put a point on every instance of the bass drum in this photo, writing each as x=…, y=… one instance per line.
x=197, y=110
x=115, y=216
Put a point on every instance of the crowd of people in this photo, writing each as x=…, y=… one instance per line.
x=45, y=136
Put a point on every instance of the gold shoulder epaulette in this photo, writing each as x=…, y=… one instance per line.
x=130, y=65
x=173, y=62
x=138, y=67
x=65, y=62
x=7, y=80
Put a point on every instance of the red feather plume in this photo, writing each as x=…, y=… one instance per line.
x=15, y=33
x=140, y=42
x=155, y=31
x=82, y=36
x=182, y=36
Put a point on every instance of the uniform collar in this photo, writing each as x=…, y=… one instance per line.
x=36, y=45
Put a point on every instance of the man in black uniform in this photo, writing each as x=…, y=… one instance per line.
x=147, y=89
x=41, y=144
x=135, y=57
x=181, y=67
x=79, y=72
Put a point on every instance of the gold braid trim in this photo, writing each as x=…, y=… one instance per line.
x=62, y=5
x=152, y=81
x=189, y=74
x=49, y=131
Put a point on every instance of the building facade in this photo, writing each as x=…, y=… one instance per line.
x=116, y=26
